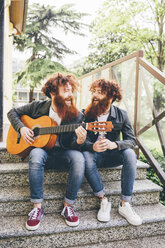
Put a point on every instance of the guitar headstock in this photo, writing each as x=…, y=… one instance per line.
x=103, y=126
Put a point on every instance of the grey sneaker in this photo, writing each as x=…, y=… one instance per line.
x=127, y=212
x=104, y=211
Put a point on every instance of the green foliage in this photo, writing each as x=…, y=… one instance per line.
x=40, y=40
x=42, y=24
x=159, y=97
x=102, y=54
x=37, y=70
x=151, y=175
x=123, y=27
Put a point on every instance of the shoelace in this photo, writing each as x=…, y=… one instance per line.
x=70, y=212
x=33, y=214
x=104, y=204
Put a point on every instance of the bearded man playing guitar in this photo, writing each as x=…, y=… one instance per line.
x=110, y=150
x=61, y=109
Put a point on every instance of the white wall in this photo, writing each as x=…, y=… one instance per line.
x=7, y=83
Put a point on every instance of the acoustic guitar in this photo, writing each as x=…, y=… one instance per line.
x=45, y=133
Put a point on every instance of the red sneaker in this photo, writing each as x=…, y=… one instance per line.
x=34, y=219
x=71, y=218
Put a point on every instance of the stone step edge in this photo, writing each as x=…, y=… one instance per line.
x=152, y=187
x=157, y=241
x=149, y=214
x=6, y=168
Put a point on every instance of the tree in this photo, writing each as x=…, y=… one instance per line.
x=40, y=40
x=123, y=26
x=159, y=97
x=35, y=71
x=101, y=54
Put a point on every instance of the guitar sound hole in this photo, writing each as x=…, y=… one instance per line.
x=36, y=131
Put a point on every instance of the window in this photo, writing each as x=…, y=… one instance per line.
x=22, y=96
x=34, y=96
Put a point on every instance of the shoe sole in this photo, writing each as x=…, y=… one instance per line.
x=72, y=223
x=130, y=221
x=103, y=220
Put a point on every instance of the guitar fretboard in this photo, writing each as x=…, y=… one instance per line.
x=61, y=129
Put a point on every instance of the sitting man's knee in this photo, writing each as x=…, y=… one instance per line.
x=90, y=160
x=77, y=164
x=76, y=157
x=129, y=154
x=37, y=156
x=89, y=157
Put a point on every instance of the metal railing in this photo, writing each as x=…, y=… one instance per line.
x=139, y=80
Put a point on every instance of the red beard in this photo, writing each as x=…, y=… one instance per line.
x=65, y=112
x=94, y=110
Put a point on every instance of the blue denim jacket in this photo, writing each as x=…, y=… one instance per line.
x=122, y=126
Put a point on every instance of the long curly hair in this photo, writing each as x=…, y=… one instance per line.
x=111, y=88
x=58, y=79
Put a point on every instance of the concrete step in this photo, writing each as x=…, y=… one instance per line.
x=53, y=232
x=5, y=157
x=145, y=242
x=16, y=174
x=16, y=200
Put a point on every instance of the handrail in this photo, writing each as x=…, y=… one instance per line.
x=118, y=61
x=153, y=70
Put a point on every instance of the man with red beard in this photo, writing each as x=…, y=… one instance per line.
x=59, y=88
x=109, y=150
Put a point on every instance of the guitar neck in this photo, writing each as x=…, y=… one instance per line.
x=61, y=129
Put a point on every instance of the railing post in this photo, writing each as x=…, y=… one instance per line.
x=110, y=73
x=80, y=94
x=140, y=54
x=137, y=102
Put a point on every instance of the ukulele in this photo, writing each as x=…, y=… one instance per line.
x=45, y=133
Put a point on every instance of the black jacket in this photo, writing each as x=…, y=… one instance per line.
x=37, y=109
x=121, y=123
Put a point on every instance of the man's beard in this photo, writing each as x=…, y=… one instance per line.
x=96, y=109
x=66, y=112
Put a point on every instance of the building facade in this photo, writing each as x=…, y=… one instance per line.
x=12, y=21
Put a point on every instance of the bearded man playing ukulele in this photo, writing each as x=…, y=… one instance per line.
x=110, y=150
x=59, y=88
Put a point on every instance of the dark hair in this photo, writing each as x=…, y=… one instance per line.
x=111, y=88
x=58, y=79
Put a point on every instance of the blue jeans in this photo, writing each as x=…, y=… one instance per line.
x=92, y=175
x=113, y=158
x=59, y=158
x=56, y=158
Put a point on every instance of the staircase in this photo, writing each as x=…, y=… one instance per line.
x=53, y=232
